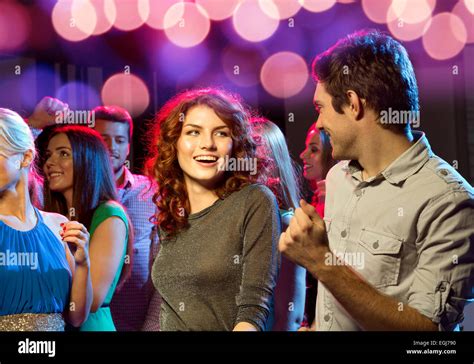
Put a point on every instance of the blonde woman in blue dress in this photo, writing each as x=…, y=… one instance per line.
x=43, y=282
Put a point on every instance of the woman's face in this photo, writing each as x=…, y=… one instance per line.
x=58, y=167
x=204, y=142
x=312, y=157
x=9, y=170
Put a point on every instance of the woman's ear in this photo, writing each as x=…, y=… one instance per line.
x=27, y=159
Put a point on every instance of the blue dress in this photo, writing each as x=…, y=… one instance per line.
x=34, y=273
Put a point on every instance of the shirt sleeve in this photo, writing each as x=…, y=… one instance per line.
x=444, y=274
x=106, y=210
x=261, y=231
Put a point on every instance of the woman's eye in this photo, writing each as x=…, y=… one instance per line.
x=192, y=132
x=64, y=154
x=223, y=133
x=314, y=150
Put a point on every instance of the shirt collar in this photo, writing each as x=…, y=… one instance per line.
x=128, y=179
x=407, y=164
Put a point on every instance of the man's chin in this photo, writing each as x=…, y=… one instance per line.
x=117, y=167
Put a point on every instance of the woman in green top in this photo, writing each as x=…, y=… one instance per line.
x=79, y=184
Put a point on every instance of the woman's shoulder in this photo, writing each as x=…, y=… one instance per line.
x=106, y=210
x=53, y=221
x=257, y=194
x=52, y=218
x=257, y=190
x=109, y=208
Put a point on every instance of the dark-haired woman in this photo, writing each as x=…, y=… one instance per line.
x=317, y=161
x=218, y=261
x=79, y=183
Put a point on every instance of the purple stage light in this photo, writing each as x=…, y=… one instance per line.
x=187, y=64
x=78, y=96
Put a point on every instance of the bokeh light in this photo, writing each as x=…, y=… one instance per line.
x=127, y=91
x=285, y=8
x=153, y=12
x=128, y=16
x=218, y=9
x=252, y=23
x=37, y=82
x=407, y=31
x=174, y=62
x=74, y=20
x=317, y=6
x=106, y=13
x=445, y=36
x=469, y=4
x=412, y=11
x=377, y=10
x=192, y=26
x=15, y=25
x=242, y=65
x=78, y=95
x=467, y=17
x=296, y=40
x=284, y=74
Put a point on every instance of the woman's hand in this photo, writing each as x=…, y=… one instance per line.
x=77, y=237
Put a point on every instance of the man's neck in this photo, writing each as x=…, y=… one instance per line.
x=120, y=177
x=379, y=152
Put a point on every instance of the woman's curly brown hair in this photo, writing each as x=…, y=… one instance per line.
x=171, y=197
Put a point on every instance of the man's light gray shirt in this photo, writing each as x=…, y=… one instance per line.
x=408, y=231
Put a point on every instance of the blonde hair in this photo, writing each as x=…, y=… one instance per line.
x=15, y=135
x=16, y=138
x=283, y=177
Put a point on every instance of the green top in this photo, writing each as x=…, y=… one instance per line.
x=101, y=320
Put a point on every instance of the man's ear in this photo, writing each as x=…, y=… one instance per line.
x=27, y=159
x=356, y=104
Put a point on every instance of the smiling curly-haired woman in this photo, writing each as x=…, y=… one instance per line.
x=219, y=229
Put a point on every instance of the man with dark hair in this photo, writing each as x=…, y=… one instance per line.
x=395, y=250
x=116, y=127
x=130, y=304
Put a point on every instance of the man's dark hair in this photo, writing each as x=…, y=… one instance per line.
x=376, y=67
x=115, y=114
